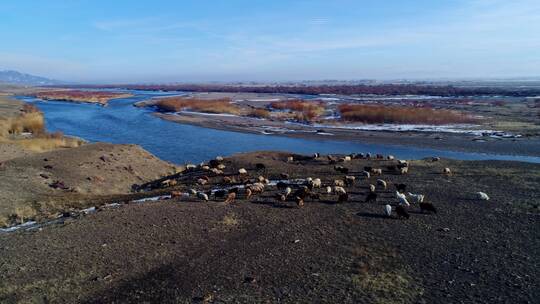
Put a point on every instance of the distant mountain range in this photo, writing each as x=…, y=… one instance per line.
x=14, y=77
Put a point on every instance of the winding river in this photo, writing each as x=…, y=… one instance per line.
x=121, y=122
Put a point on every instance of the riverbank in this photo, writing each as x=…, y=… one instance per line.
x=529, y=146
x=263, y=250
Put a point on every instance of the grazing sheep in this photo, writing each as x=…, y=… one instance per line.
x=190, y=167
x=192, y=191
x=339, y=190
x=216, y=171
x=366, y=174
x=290, y=159
x=317, y=183
x=401, y=187
x=227, y=180
x=435, y=159
x=402, y=199
x=202, y=181
x=402, y=212
x=221, y=167
x=219, y=158
x=203, y=196
x=284, y=175
x=299, y=201
x=256, y=187
x=287, y=191
x=402, y=163
x=428, y=207
x=404, y=170
x=316, y=155
x=388, y=210
x=261, y=179
x=213, y=163
x=371, y=197
x=282, y=185
x=176, y=194
x=482, y=196
x=368, y=169
x=416, y=198
x=376, y=171
x=231, y=197
x=339, y=183
x=342, y=198
x=349, y=180
x=220, y=193
x=347, y=158
x=242, y=171
x=302, y=192
x=260, y=167
x=371, y=188
x=381, y=183
x=329, y=190
x=248, y=193
x=205, y=167
x=390, y=157
x=447, y=171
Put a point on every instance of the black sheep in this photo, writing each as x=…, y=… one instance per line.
x=282, y=185
x=220, y=193
x=260, y=167
x=368, y=169
x=402, y=212
x=427, y=207
x=213, y=163
x=371, y=197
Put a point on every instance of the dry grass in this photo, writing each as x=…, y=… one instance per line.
x=229, y=220
x=24, y=213
x=404, y=115
x=46, y=143
x=217, y=106
x=101, y=97
x=302, y=110
x=259, y=113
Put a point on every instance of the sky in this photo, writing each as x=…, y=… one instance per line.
x=98, y=41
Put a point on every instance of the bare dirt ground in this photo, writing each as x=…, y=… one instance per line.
x=260, y=251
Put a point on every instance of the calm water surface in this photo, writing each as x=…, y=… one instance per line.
x=121, y=122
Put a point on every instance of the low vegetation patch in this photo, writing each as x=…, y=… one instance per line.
x=302, y=110
x=401, y=115
x=217, y=106
x=101, y=97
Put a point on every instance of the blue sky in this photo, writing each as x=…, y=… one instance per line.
x=230, y=40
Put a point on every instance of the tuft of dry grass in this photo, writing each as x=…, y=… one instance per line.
x=302, y=110
x=32, y=122
x=229, y=220
x=217, y=106
x=259, y=113
x=24, y=213
x=48, y=143
x=405, y=115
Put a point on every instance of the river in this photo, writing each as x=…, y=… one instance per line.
x=121, y=122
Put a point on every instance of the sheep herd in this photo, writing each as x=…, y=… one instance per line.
x=242, y=183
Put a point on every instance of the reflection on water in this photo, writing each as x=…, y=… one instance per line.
x=120, y=122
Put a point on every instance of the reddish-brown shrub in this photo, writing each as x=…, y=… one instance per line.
x=176, y=104
x=404, y=115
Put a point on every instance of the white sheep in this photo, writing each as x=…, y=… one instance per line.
x=221, y=167
x=365, y=174
x=205, y=167
x=482, y=196
x=339, y=183
x=388, y=210
x=202, y=196
x=329, y=190
x=290, y=159
x=371, y=188
x=416, y=198
x=192, y=191
x=381, y=183
x=402, y=162
x=404, y=170
x=287, y=191
x=317, y=183
x=376, y=171
x=339, y=190
x=447, y=171
x=347, y=158
x=216, y=171
x=402, y=199
x=242, y=171
x=190, y=166
x=390, y=157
